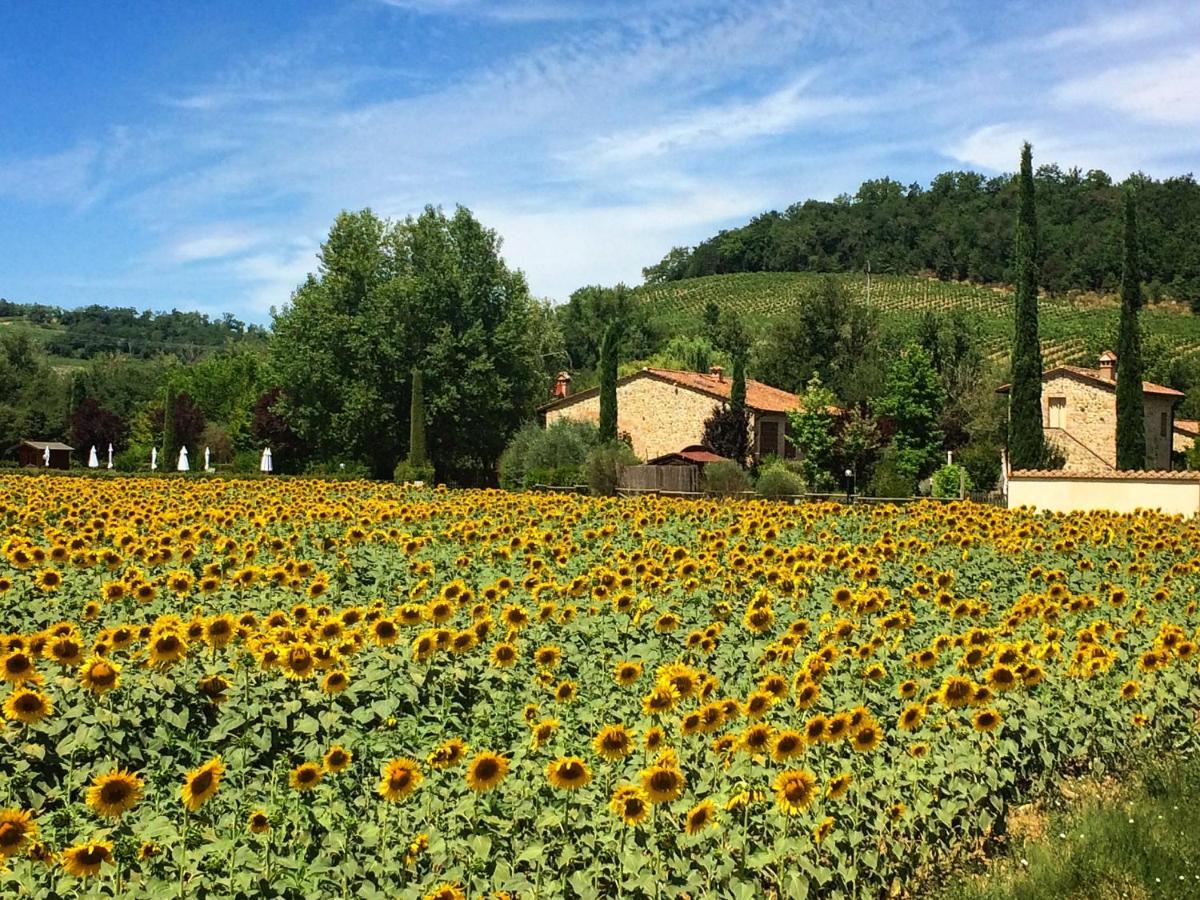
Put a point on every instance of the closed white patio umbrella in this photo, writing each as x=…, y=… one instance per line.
x=46, y=456
x=110, y=465
x=182, y=465
x=266, y=466
x=207, y=467
x=153, y=459
x=93, y=459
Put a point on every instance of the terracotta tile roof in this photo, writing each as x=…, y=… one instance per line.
x=1107, y=474
x=759, y=396
x=1093, y=377
x=701, y=456
x=1188, y=426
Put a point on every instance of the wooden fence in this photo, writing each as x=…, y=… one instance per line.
x=666, y=479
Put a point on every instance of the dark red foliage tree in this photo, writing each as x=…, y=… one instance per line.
x=91, y=425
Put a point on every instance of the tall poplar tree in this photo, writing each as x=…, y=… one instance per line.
x=609, y=346
x=1131, y=414
x=417, y=455
x=1026, y=441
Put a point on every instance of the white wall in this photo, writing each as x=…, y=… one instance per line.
x=1062, y=493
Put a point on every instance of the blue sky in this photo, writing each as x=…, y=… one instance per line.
x=193, y=155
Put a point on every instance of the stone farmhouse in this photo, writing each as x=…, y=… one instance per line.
x=663, y=410
x=1079, y=415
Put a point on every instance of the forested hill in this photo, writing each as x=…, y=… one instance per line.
x=94, y=330
x=961, y=227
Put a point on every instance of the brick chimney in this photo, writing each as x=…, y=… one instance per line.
x=562, y=385
x=718, y=371
x=1108, y=365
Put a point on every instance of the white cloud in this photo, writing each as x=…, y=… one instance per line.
x=722, y=126
x=210, y=246
x=64, y=177
x=1117, y=26
x=1166, y=89
x=562, y=249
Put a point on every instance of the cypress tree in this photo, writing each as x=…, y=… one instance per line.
x=609, y=344
x=1131, y=415
x=737, y=391
x=1026, y=441
x=169, y=445
x=416, y=421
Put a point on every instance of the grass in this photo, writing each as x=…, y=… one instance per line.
x=1073, y=329
x=1134, y=839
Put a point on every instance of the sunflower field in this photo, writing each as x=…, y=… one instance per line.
x=298, y=688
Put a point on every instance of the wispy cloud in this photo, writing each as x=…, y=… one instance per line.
x=1112, y=27
x=220, y=244
x=1166, y=89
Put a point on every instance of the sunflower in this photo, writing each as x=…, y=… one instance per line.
x=447, y=891
x=565, y=692
x=956, y=691
x=486, y=771
x=699, y=817
x=17, y=829
x=630, y=804
x=67, y=651
x=305, y=776
x=911, y=717
x=663, y=783
x=83, y=860
x=795, y=790
x=167, y=647
x=449, y=753
x=660, y=700
x=986, y=720
x=298, y=663
x=335, y=681
x=399, y=778
x=258, y=822
x=49, y=580
x=148, y=850
x=100, y=675
x=822, y=829
x=568, y=773
x=504, y=654
x=18, y=668
x=200, y=784
x=757, y=739
x=838, y=785
x=547, y=657
x=28, y=706
x=787, y=745
x=654, y=738
x=114, y=793
x=816, y=729
x=1130, y=689
x=613, y=742
x=866, y=738
x=337, y=759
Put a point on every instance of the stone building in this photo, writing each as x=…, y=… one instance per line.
x=663, y=410
x=1186, y=432
x=1079, y=415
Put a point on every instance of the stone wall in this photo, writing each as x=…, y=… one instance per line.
x=1088, y=439
x=660, y=417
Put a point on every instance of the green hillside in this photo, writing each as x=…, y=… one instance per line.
x=1073, y=331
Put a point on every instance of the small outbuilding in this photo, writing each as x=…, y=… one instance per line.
x=694, y=455
x=32, y=454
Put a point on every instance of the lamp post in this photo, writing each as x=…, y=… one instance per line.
x=850, y=486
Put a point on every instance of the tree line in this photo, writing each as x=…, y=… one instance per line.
x=94, y=330
x=961, y=227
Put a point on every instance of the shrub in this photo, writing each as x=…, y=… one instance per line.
x=407, y=472
x=727, y=432
x=982, y=462
x=947, y=481
x=557, y=452
x=135, y=458
x=602, y=468
x=725, y=477
x=216, y=438
x=778, y=481
x=887, y=480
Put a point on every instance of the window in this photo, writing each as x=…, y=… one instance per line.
x=1162, y=425
x=768, y=437
x=1058, y=412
